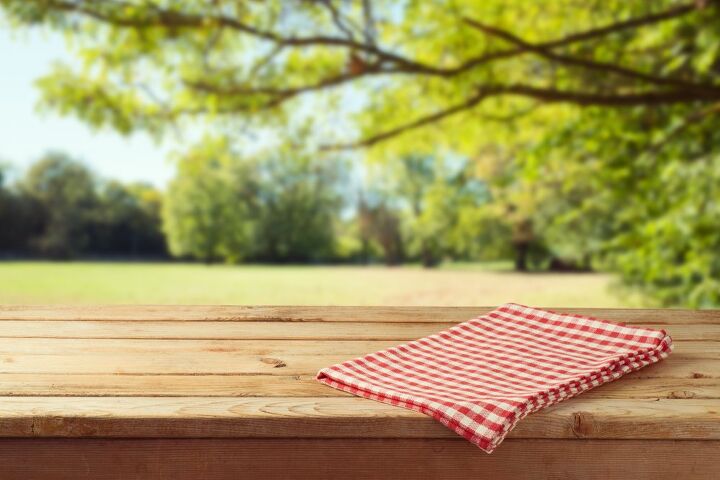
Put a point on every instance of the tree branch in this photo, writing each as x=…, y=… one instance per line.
x=668, y=14
x=174, y=18
x=337, y=18
x=279, y=94
x=591, y=34
x=586, y=63
x=547, y=95
x=369, y=19
x=661, y=97
x=543, y=49
x=422, y=121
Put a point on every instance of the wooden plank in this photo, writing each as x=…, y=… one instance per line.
x=236, y=330
x=166, y=385
x=334, y=314
x=279, y=357
x=231, y=417
x=261, y=330
x=109, y=346
x=679, y=367
x=167, y=363
x=657, y=388
x=290, y=386
x=317, y=459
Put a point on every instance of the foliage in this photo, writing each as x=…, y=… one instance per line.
x=205, y=213
x=60, y=209
x=148, y=65
x=21, y=217
x=297, y=204
x=279, y=208
x=653, y=219
x=127, y=219
x=66, y=191
x=436, y=200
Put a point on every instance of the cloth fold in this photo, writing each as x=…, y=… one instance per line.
x=481, y=377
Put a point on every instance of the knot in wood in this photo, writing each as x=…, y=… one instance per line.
x=583, y=424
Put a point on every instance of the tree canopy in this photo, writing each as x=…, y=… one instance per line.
x=150, y=64
x=61, y=209
x=278, y=207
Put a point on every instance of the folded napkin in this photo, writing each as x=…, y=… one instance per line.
x=481, y=377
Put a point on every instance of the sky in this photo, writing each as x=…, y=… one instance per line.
x=25, y=133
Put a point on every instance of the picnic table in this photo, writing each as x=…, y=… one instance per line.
x=228, y=392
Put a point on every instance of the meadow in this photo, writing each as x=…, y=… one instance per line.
x=24, y=282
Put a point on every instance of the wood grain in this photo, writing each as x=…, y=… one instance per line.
x=677, y=367
x=217, y=417
x=103, y=385
x=260, y=330
x=274, y=357
x=264, y=330
x=422, y=459
x=327, y=314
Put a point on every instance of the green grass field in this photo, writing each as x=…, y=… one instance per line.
x=166, y=283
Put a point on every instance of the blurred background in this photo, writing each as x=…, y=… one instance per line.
x=360, y=152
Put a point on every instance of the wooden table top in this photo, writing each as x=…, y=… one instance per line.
x=232, y=372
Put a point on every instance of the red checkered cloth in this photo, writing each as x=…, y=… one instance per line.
x=481, y=377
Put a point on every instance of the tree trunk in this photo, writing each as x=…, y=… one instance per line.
x=365, y=251
x=521, y=254
x=429, y=260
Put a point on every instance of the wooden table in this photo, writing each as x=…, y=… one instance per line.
x=196, y=392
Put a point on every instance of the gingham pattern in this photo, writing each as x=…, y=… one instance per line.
x=481, y=377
